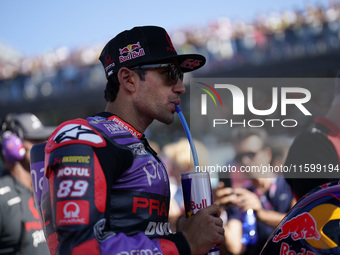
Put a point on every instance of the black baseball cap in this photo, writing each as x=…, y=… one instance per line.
x=31, y=127
x=144, y=45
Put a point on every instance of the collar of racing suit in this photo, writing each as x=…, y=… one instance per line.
x=130, y=128
x=122, y=123
x=126, y=126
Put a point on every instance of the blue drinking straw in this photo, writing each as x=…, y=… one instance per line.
x=187, y=131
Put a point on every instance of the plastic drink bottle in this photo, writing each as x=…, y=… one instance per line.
x=249, y=235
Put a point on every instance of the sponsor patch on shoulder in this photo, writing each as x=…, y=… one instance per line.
x=74, y=131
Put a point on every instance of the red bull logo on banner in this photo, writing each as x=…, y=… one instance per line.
x=302, y=226
x=131, y=51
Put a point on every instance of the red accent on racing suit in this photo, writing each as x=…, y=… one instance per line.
x=104, y=191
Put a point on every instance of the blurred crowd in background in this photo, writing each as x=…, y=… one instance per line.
x=276, y=35
x=270, y=36
x=63, y=73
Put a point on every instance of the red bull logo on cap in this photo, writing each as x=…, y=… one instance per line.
x=191, y=63
x=302, y=226
x=131, y=51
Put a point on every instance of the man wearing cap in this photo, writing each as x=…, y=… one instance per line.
x=20, y=228
x=108, y=190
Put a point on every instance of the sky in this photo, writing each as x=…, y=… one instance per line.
x=36, y=26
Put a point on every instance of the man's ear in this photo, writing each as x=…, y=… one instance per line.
x=126, y=79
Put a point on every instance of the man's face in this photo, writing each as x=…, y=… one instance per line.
x=156, y=96
x=252, y=152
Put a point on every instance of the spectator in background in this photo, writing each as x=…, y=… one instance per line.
x=319, y=144
x=225, y=197
x=20, y=228
x=269, y=196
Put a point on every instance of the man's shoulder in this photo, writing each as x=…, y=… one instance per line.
x=6, y=180
x=283, y=186
x=7, y=188
x=76, y=131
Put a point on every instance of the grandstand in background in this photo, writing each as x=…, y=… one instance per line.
x=66, y=84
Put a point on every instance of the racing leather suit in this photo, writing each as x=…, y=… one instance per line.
x=103, y=190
